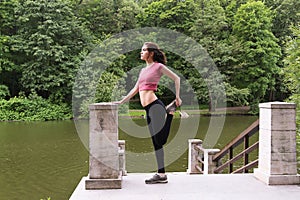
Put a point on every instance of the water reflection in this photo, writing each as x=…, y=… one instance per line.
x=47, y=159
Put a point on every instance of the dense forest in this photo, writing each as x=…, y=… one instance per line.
x=255, y=45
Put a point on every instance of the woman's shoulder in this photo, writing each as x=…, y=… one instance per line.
x=159, y=65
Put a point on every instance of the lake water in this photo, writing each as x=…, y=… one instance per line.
x=48, y=159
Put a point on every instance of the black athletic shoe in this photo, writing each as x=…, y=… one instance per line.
x=171, y=107
x=157, y=179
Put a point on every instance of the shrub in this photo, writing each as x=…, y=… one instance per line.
x=4, y=92
x=31, y=109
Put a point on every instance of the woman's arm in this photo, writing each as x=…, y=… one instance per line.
x=131, y=94
x=176, y=80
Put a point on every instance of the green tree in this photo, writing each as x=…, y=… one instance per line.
x=107, y=17
x=257, y=63
x=287, y=13
x=172, y=14
x=97, y=75
x=231, y=7
x=110, y=88
x=292, y=64
x=144, y=3
x=8, y=69
x=43, y=42
x=292, y=67
x=7, y=20
x=4, y=92
x=49, y=43
x=212, y=31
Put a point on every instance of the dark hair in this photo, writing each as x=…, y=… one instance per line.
x=159, y=55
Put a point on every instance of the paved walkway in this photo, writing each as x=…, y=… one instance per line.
x=191, y=187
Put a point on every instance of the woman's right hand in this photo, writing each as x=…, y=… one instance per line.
x=178, y=101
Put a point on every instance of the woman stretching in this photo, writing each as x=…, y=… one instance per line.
x=159, y=117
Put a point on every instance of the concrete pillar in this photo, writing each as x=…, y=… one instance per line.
x=104, y=170
x=192, y=157
x=122, y=157
x=277, y=144
x=211, y=165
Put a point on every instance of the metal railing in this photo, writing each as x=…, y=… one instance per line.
x=209, y=161
x=244, y=138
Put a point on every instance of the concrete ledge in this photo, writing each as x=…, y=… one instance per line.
x=277, y=179
x=191, y=187
x=95, y=184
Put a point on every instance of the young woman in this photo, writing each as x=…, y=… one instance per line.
x=159, y=117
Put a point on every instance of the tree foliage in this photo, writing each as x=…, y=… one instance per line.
x=49, y=42
x=292, y=67
x=292, y=61
x=43, y=43
x=107, y=17
x=7, y=29
x=286, y=14
x=175, y=15
x=32, y=108
x=260, y=50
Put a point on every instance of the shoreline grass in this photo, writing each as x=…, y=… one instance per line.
x=140, y=113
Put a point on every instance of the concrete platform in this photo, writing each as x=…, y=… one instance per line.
x=182, y=186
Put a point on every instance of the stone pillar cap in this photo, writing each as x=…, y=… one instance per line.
x=278, y=104
x=103, y=106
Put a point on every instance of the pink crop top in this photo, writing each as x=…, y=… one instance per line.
x=149, y=77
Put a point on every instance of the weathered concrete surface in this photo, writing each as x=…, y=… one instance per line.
x=277, y=144
x=182, y=186
x=104, y=169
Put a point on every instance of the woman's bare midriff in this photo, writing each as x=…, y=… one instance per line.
x=147, y=97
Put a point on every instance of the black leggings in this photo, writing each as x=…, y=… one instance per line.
x=159, y=123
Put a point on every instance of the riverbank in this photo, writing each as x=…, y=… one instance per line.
x=243, y=110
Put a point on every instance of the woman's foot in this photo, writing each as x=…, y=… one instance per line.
x=156, y=178
x=171, y=108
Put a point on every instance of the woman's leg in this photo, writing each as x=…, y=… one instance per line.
x=156, y=120
x=166, y=129
x=159, y=126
